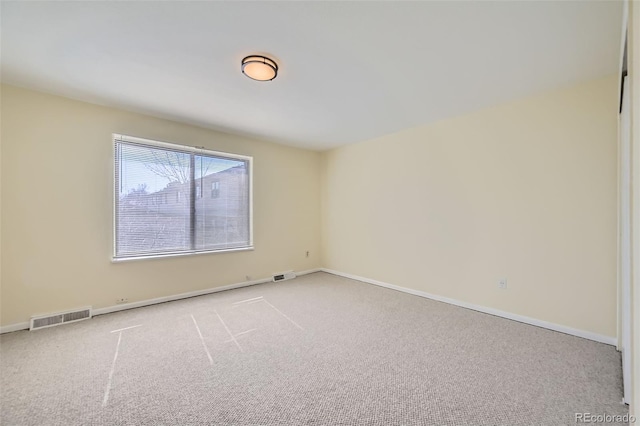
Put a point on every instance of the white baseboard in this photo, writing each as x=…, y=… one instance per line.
x=309, y=271
x=141, y=303
x=155, y=301
x=115, y=308
x=14, y=327
x=515, y=317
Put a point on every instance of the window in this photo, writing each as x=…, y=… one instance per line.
x=148, y=174
x=215, y=189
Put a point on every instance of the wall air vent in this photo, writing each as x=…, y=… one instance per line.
x=43, y=321
x=284, y=276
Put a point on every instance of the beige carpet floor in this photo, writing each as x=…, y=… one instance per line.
x=317, y=350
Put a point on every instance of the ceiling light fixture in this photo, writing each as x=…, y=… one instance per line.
x=259, y=68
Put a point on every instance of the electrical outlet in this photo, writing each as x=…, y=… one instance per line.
x=122, y=300
x=502, y=283
x=248, y=277
x=307, y=253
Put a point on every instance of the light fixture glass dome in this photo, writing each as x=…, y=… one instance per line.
x=259, y=68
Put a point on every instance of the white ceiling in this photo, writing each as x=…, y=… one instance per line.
x=349, y=71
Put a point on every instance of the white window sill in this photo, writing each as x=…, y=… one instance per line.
x=180, y=254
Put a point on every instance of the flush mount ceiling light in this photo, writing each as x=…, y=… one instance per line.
x=259, y=68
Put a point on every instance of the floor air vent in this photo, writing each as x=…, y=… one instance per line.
x=284, y=276
x=43, y=321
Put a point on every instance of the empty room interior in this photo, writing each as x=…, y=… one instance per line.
x=287, y=213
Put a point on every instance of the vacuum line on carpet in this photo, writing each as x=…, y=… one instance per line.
x=204, y=344
x=230, y=335
x=248, y=300
x=281, y=313
x=241, y=334
x=113, y=367
x=245, y=332
x=126, y=328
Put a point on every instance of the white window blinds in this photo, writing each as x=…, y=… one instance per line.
x=171, y=199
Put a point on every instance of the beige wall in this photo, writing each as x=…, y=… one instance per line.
x=526, y=191
x=57, y=209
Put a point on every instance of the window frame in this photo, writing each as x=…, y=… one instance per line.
x=181, y=148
